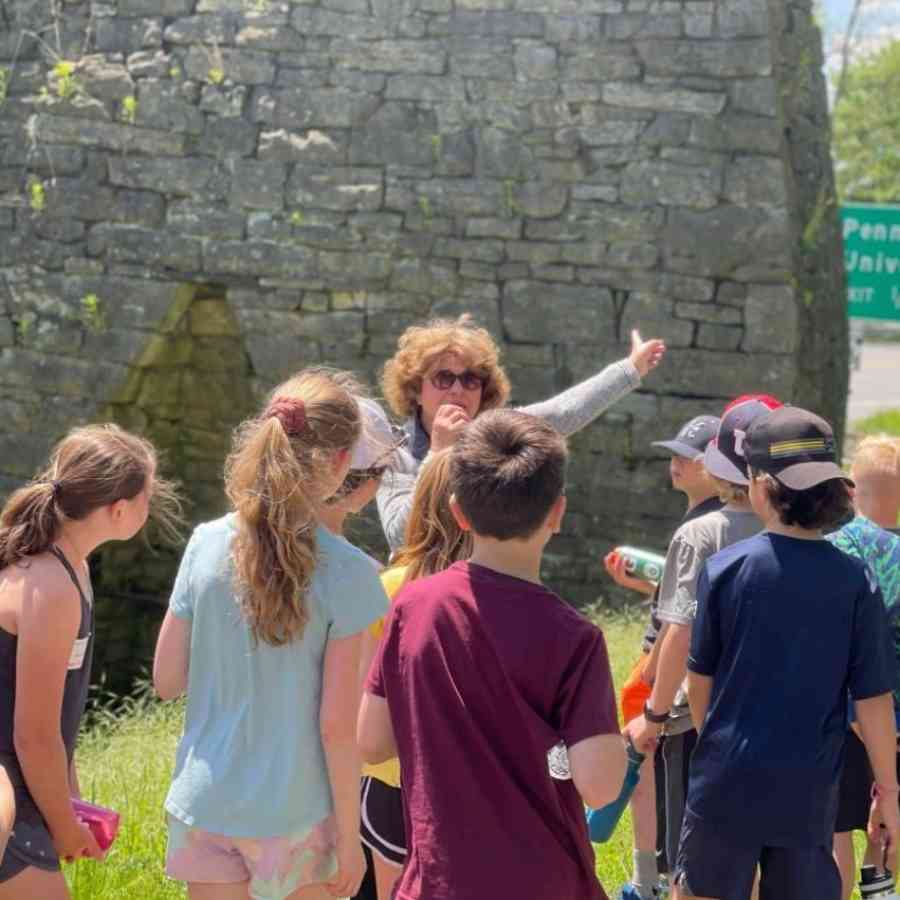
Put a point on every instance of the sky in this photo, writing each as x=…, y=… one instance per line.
x=878, y=24
x=881, y=16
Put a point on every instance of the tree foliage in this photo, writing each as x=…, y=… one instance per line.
x=867, y=129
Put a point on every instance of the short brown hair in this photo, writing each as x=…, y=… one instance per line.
x=825, y=505
x=508, y=469
x=421, y=346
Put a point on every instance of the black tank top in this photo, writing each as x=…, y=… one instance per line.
x=78, y=680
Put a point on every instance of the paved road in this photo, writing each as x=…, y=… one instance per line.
x=876, y=384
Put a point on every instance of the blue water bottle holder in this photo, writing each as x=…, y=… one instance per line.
x=602, y=822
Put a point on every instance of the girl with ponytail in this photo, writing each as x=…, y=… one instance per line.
x=100, y=485
x=263, y=633
x=433, y=542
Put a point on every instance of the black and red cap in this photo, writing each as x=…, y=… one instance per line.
x=725, y=457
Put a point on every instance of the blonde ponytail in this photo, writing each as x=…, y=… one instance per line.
x=278, y=471
x=433, y=540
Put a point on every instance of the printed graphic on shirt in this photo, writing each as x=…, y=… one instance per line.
x=879, y=549
x=79, y=648
x=558, y=762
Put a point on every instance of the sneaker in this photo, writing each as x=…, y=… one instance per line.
x=630, y=892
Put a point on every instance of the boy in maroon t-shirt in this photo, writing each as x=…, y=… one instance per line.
x=481, y=672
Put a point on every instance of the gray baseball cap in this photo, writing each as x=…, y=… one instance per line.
x=693, y=437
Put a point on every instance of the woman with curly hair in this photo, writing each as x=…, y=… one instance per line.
x=446, y=372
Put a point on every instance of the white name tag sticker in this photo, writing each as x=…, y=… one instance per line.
x=79, y=648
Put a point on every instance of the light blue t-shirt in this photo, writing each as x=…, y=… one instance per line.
x=251, y=762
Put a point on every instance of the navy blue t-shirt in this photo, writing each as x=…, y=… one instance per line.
x=785, y=628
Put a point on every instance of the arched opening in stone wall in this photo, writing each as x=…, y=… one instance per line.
x=192, y=384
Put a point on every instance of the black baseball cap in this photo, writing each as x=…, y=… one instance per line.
x=794, y=446
x=725, y=457
x=693, y=437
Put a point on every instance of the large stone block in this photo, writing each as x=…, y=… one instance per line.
x=749, y=134
x=426, y=88
x=188, y=217
x=693, y=245
x=47, y=373
x=713, y=59
x=569, y=314
x=691, y=371
x=502, y=154
x=167, y=105
x=390, y=56
x=131, y=243
x=336, y=188
x=258, y=185
x=326, y=22
x=601, y=62
x=127, y=35
x=52, y=129
x=267, y=258
x=490, y=24
x=242, y=66
x=378, y=144
x=664, y=99
x=311, y=148
x=481, y=57
x=155, y=7
x=772, y=319
x=179, y=177
x=755, y=181
x=209, y=28
x=648, y=183
x=320, y=108
x=742, y=18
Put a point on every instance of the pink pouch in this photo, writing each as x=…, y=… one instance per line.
x=103, y=822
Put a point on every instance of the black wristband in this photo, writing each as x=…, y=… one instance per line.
x=655, y=718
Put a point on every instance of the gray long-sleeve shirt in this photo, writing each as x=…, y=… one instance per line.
x=567, y=412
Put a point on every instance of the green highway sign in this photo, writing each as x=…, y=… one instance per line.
x=872, y=259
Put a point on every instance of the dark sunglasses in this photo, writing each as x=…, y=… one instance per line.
x=445, y=379
x=356, y=478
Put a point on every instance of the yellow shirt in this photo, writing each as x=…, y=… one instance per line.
x=389, y=770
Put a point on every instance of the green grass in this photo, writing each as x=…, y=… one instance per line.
x=885, y=421
x=125, y=762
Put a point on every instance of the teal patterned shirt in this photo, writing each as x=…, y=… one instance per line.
x=880, y=550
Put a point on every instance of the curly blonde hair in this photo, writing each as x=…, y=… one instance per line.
x=421, y=346
x=276, y=474
x=877, y=454
x=433, y=539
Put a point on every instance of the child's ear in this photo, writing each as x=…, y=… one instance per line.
x=557, y=512
x=458, y=514
x=117, y=510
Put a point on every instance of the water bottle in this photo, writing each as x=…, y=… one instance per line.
x=642, y=563
x=875, y=882
x=602, y=822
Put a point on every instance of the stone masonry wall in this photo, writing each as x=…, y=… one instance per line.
x=308, y=178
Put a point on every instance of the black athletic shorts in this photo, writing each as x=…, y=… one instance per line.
x=30, y=844
x=855, y=795
x=382, y=828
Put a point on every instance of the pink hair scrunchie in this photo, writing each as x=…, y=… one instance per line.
x=290, y=412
